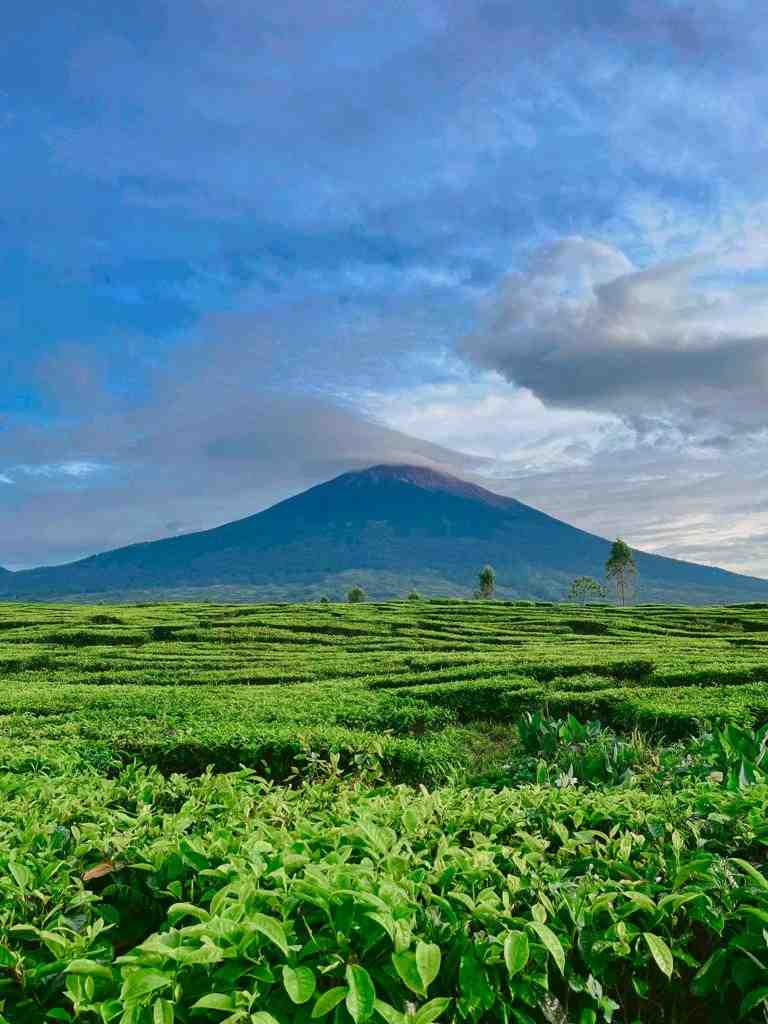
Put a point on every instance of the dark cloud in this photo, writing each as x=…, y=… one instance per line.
x=581, y=327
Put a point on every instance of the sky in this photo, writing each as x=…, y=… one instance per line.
x=247, y=247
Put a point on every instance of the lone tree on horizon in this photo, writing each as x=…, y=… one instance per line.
x=356, y=595
x=621, y=569
x=486, y=582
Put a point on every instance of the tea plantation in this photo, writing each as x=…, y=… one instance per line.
x=400, y=813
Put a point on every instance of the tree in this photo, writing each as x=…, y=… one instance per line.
x=414, y=596
x=584, y=589
x=487, y=582
x=621, y=569
x=356, y=595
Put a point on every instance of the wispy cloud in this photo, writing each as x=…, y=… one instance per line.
x=70, y=468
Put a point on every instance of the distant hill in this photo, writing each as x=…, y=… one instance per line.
x=389, y=528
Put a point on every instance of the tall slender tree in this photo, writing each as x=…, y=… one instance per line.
x=621, y=570
x=486, y=582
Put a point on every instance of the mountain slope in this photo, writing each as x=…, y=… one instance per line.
x=390, y=528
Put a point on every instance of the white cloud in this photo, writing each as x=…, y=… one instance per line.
x=659, y=491
x=76, y=468
x=488, y=417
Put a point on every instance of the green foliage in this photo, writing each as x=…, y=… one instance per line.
x=585, y=589
x=570, y=752
x=142, y=896
x=608, y=865
x=736, y=756
x=621, y=569
x=356, y=595
x=486, y=580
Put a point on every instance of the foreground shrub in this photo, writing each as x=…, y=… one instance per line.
x=145, y=899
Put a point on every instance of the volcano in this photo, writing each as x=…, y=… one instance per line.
x=390, y=529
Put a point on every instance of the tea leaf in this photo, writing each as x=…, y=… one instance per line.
x=141, y=983
x=551, y=943
x=516, y=952
x=660, y=952
x=271, y=928
x=162, y=1012
x=431, y=1011
x=408, y=971
x=362, y=994
x=329, y=1000
x=299, y=983
x=427, y=962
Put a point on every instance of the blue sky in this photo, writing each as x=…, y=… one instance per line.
x=245, y=249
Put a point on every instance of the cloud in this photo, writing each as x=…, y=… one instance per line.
x=682, y=345
x=243, y=242
x=212, y=442
x=76, y=468
x=701, y=508
x=509, y=426
x=595, y=471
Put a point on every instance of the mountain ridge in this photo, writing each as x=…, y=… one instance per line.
x=391, y=527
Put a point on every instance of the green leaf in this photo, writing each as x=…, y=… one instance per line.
x=59, y=1014
x=329, y=1001
x=389, y=1013
x=587, y=1017
x=215, y=1001
x=752, y=871
x=408, y=972
x=427, y=962
x=299, y=983
x=431, y=1011
x=516, y=952
x=386, y=921
x=551, y=943
x=89, y=967
x=757, y=913
x=162, y=1012
x=110, y=1009
x=753, y=999
x=361, y=995
x=271, y=928
x=7, y=959
x=21, y=874
x=473, y=983
x=263, y=1018
x=660, y=952
x=141, y=983
x=179, y=910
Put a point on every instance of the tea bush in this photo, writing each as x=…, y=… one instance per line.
x=224, y=898
x=411, y=812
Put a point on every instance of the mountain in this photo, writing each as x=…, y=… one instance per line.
x=388, y=528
